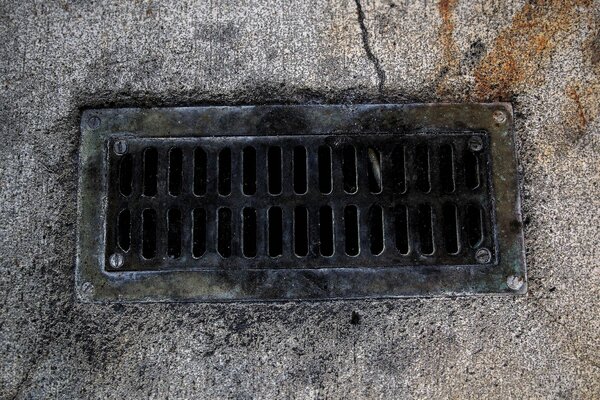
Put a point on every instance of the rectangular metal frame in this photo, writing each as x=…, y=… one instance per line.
x=505, y=274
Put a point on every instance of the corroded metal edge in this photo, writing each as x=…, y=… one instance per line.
x=93, y=283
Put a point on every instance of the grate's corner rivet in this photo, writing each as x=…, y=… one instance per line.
x=515, y=282
x=475, y=143
x=94, y=122
x=483, y=256
x=499, y=116
x=120, y=147
x=116, y=260
x=87, y=289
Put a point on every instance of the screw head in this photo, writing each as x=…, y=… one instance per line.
x=475, y=143
x=116, y=260
x=94, y=122
x=483, y=256
x=515, y=282
x=499, y=116
x=87, y=289
x=120, y=147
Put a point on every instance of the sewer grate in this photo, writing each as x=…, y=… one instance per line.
x=291, y=202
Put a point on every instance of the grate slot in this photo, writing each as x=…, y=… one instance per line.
x=249, y=170
x=326, y=233
x=224, y=232
x=373, y=169
x=224, y=172
x=126, y=175
x=351, y=230
x=200, y=171
x=421, y=168
x=287, y=171
x=175, y=171
x=446, y=168
x=300, y=170
x=275, y=231
x=198, y=232
x=124, y=227
x=349, y=169
x=174, y=229
x=424, y=219
x=397, y=169
x=471, y=164
x=402, y=229
x=375, y=226
x=301, y=229
x=274, y=170
x=450, y=228
x=149, y=221
x=474, y=225
x=249, y=228
x=150, y=181
x=324, y=169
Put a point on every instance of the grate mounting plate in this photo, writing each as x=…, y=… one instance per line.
x=298, y=202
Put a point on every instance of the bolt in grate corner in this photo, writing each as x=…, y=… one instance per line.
x=300, y=202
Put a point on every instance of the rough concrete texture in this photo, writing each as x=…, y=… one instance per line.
x=59, y=57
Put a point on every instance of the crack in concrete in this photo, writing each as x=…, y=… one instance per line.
x=366, y=45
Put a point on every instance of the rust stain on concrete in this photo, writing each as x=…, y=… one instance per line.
x=450, y=51
x=593, y=49
x=584, y=106
x=584, y=94
x=520, y=51
x=581, y=118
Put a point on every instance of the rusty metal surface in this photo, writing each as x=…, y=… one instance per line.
x=215, y=278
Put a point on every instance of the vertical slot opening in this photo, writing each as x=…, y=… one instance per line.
x=401, y=229
x=249, y=170
x=450, y=217
x=126, y=174
x=275, y=232
x=326, y=231
x=199, y=171
x=374, y=170
x=124, y=230
x=300, y=175
x=375, y=222
x=471, y=170
x=148, y=233
x=425, y=229
x=349, y=169
x=301, y=231
x=175, y=171
x=351, y=230
x=224, y=232
x=174, y=233
x=447, y=168
x=249, y=232
x=422, y=180
x=274, y=169
x=325, y=184
x=225, y=172
x=198, y=232
x=474, y=226
x=399, y=169
x=150, y=171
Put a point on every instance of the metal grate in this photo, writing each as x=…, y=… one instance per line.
x=298, y=202
x=305, y=201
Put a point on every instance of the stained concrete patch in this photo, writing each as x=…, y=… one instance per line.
x=58, y=58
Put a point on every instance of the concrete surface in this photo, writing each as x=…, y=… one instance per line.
x=59, y=57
